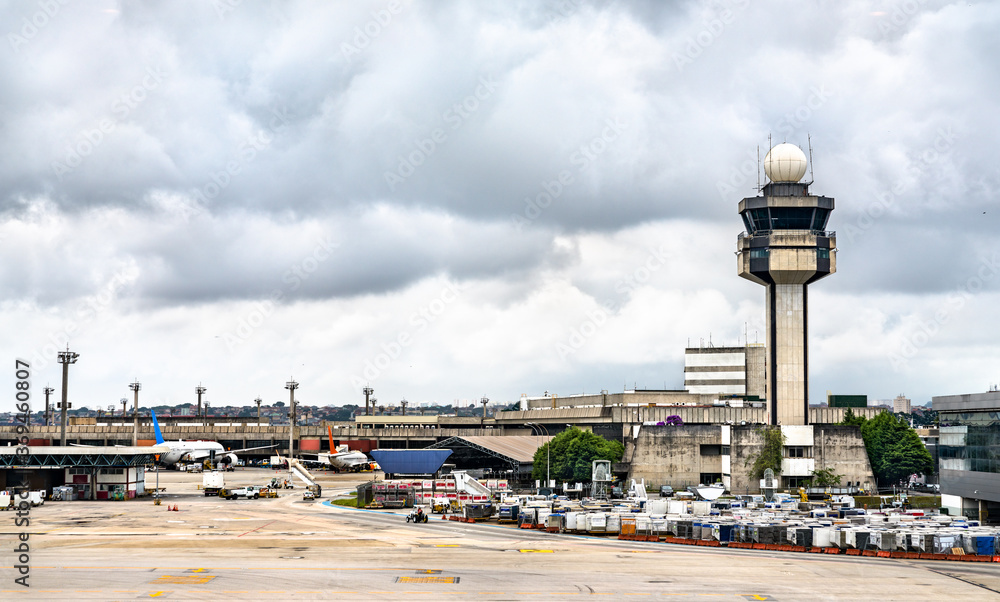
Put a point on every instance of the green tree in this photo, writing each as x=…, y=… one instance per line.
x=894, y=450
x=569, y=455
x=770, y=455
x=825, y=477
x=850, y=419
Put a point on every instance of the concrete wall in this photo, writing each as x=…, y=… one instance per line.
x=842, y=449
x=671, y=455
x=838, y=447
x=756, y=366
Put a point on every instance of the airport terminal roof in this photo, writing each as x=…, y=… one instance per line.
x=511, y=450
x=57, y=456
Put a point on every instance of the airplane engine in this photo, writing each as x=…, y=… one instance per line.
x=226, y=459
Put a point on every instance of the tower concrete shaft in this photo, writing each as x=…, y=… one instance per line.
x=786, y=248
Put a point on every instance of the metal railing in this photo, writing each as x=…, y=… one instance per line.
x=761, y=233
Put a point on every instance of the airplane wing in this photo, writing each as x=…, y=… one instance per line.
x=196, y=455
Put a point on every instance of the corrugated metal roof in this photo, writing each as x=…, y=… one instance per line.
x=520, y=448
x=81, y=450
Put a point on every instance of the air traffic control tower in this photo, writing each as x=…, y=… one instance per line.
x=786, y=248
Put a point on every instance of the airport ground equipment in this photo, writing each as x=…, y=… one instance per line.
x=417, y=516
x=277, y=483
x=212, y=482
x=298, y=470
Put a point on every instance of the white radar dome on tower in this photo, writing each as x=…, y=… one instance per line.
x=785, y=163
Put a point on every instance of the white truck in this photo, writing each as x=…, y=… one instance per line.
x=212, y=482
x=249, y=492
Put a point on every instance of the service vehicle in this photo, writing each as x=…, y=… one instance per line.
x=241, y=492
x=417, y=516
x=212, y=482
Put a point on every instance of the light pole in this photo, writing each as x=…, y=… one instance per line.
x=135, y=386
x=291, y=386
x=65, y=358
x=258, y=401
x=368, y=393
x=48, y=391
x=200, y=390
x=548, y=450
x=403, y=405
x=484, y=401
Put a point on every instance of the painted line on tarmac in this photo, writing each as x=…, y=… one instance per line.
x=257, y=529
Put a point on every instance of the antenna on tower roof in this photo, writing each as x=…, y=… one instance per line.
x=769, y=147
x=809, y=139
x=758, y=168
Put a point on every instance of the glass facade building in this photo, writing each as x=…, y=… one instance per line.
x=969, y=452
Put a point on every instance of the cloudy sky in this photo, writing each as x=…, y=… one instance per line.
x=450, y=200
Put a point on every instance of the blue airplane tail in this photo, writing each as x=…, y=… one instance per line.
x=156, y=427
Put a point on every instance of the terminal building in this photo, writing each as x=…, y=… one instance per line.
x=968, y=442
x=731, y=371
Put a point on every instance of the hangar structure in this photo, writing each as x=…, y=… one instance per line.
x=94, y=472
x=513, y=455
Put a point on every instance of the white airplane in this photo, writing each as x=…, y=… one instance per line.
x=342, y=459
x=196, y=451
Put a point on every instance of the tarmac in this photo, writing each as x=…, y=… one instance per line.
x=291, y=549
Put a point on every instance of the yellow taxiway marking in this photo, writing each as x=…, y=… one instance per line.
x=184, y=579
x=446, y=545
x=197, y=570
x=536, y=551
x=434, y=579
x=156, y=595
